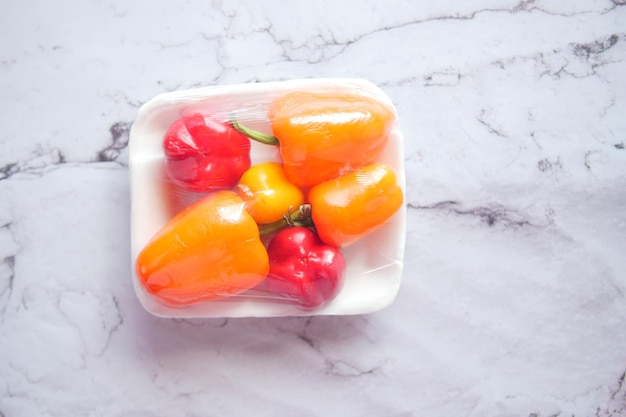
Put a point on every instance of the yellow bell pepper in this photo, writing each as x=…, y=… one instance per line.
x=267, y=192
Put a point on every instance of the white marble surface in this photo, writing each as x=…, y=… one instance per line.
x=513, y=296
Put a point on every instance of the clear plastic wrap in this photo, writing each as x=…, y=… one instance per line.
x=268, y=199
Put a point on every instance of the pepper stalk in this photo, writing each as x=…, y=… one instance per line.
x=253, y=134
x=300, y=217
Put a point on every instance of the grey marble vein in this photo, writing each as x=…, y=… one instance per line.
x=513, y=294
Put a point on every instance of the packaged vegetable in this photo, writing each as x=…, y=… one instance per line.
x=303, y=268
x=347, y=208
x=204, y=153
x=210, y=250
x=268, y=199
x=268, y=193
x=325, y=134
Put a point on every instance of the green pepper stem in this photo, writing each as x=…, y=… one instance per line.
x=300, y=217
x=253, y=134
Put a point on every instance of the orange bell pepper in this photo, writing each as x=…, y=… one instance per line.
x=324, y=134
x=267, y=192
x=210, y=250
x=353, y=205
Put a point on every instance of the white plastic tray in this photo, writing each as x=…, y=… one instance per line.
x=374, y=264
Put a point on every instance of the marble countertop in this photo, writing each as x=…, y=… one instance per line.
x=513, y=294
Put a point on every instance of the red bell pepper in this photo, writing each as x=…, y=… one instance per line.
x=205, y=153
x=303, y=268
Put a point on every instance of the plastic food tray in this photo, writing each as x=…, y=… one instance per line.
x=374, y=264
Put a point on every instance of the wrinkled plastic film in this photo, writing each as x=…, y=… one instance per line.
x=268, y=200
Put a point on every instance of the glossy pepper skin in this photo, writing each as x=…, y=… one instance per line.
x=303, y=268
x=267, y=192
x=209, y=251
x=325, y=134
x=205, y=153
x=353, y=205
